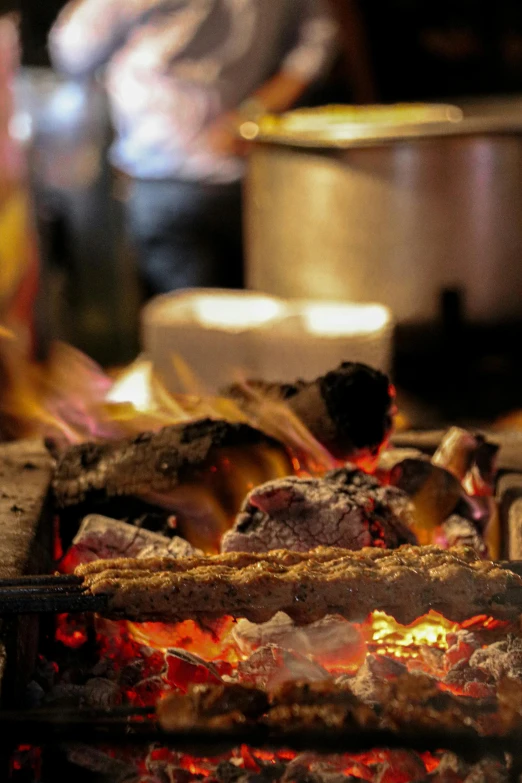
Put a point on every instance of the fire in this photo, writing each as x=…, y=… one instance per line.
x=380, y=634
x=404, y=641
x=153, y=659
x=72, y=400
x=211, y=643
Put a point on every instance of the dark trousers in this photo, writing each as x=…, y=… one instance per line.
x=186, y=234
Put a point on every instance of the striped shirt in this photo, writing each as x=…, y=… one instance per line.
x=173, y=66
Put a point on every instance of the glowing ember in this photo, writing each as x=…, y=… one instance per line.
x=70, y=630
x=212, y=644
x=403, y=641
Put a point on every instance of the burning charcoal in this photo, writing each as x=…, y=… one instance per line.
x=270, y=666
x=390, y=457
x=477, y=509
x=501, y=659
x=451, y=763
x=309, y=768
x=169, y=547
x=462, y=532
x=185, y=669
x=101, y=693
x=106, y=668
x=348, y=410
x=363, y=485
x=489, y=770
x=132, y=673
x=327, y=770
x=95, y=760
x=490, y=659
x=401, y=766
x=432, y=657
x=148, y=692
x=65, y=695
x=344, y=510
x=330, y=640
x=162, y=764
x=226, y=772
x=481, y=478
x=433, y=490
x=367, y=684
x=280, y=630
x=461, y=645
x=102, y=538
x=469, y=681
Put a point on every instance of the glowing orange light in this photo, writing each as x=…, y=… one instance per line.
x=404, y=641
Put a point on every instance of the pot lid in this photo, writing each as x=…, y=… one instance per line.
x=347, y=126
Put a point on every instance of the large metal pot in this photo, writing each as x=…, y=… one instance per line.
x=393, y=212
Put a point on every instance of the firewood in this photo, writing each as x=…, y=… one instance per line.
x=347, y=410
x=150, y=465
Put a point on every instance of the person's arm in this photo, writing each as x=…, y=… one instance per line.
x=310, y=57
x=87, y=32
x=356, y=50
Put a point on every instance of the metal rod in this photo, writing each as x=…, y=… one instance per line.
x=37, y=590
x=43, y=580
x=46, y=602
x=65, y=593
x=204, y=742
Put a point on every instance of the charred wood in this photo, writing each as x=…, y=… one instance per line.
x=347, y=410
x=150, y=465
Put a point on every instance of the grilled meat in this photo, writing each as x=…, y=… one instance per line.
x=414, y=702
x=406, y=583
x=211, y=706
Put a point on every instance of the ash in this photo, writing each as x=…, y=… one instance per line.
x=347, y=509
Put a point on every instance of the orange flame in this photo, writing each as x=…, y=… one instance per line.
x=69, y=397
x=403, y=641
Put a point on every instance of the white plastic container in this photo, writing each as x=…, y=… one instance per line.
x=225, y=335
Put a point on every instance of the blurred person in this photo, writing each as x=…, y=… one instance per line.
x=181, y=76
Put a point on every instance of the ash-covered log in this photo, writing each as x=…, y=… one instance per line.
x=347, y=508
x=102, y=538
x=149, y=464
x=348, y=410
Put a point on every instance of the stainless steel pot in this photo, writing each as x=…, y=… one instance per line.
x=393, y=212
